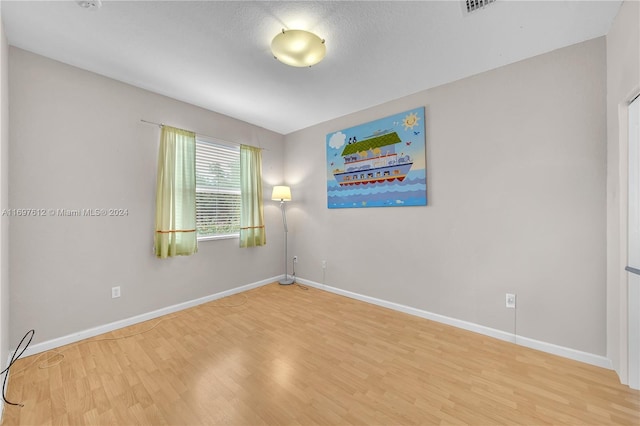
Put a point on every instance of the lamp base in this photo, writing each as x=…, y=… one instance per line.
x=286, y=281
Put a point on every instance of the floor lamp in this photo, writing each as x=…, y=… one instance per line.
x=282, y=194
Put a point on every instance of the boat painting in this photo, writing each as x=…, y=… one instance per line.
x=378, y=164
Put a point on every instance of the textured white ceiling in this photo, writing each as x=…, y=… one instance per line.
x=216, y=54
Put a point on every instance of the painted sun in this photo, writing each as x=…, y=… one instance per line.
x=410, y=121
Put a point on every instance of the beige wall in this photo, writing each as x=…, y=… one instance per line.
x=623, y=83
x=516, y=186
x=4, y=197
x=77, y=142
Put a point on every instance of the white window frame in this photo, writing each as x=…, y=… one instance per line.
x=200, y=140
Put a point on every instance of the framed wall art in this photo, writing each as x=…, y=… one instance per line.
x=378, y=164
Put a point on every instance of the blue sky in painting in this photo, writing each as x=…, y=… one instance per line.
x=412, y=144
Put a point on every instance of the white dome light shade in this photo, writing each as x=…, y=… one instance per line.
x=298, y=48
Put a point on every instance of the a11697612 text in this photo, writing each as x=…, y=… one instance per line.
x=109, y=212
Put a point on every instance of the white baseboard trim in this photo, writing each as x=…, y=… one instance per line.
x=95, y=331
x=588, y=358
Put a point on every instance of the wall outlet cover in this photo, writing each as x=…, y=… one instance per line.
x=510, y=300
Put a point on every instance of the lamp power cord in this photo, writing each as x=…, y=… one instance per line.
x=16, y=356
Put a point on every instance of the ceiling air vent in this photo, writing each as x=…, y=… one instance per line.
x=90, y=4
x=473, y=5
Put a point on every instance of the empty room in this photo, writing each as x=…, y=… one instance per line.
x=320, y=212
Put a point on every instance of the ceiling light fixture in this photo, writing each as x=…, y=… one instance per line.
x=298, y=48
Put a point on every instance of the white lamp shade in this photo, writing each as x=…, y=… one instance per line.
x=298, y=48
x=281, y=193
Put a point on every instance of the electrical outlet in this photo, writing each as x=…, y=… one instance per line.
x=324, y=264
x=115, y=292
x=510, y=300
x=295, y=259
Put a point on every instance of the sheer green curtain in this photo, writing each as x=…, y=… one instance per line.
x=176, y=194
x=251, y=211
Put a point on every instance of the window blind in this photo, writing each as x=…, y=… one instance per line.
x=217, y=190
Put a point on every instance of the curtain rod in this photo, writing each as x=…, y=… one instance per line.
x=200, y=134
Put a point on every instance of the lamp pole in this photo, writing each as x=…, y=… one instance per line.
x=285, y=280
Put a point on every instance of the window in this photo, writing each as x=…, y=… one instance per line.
x=217, y=190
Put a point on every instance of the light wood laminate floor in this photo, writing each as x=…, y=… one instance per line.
x=290, y=356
